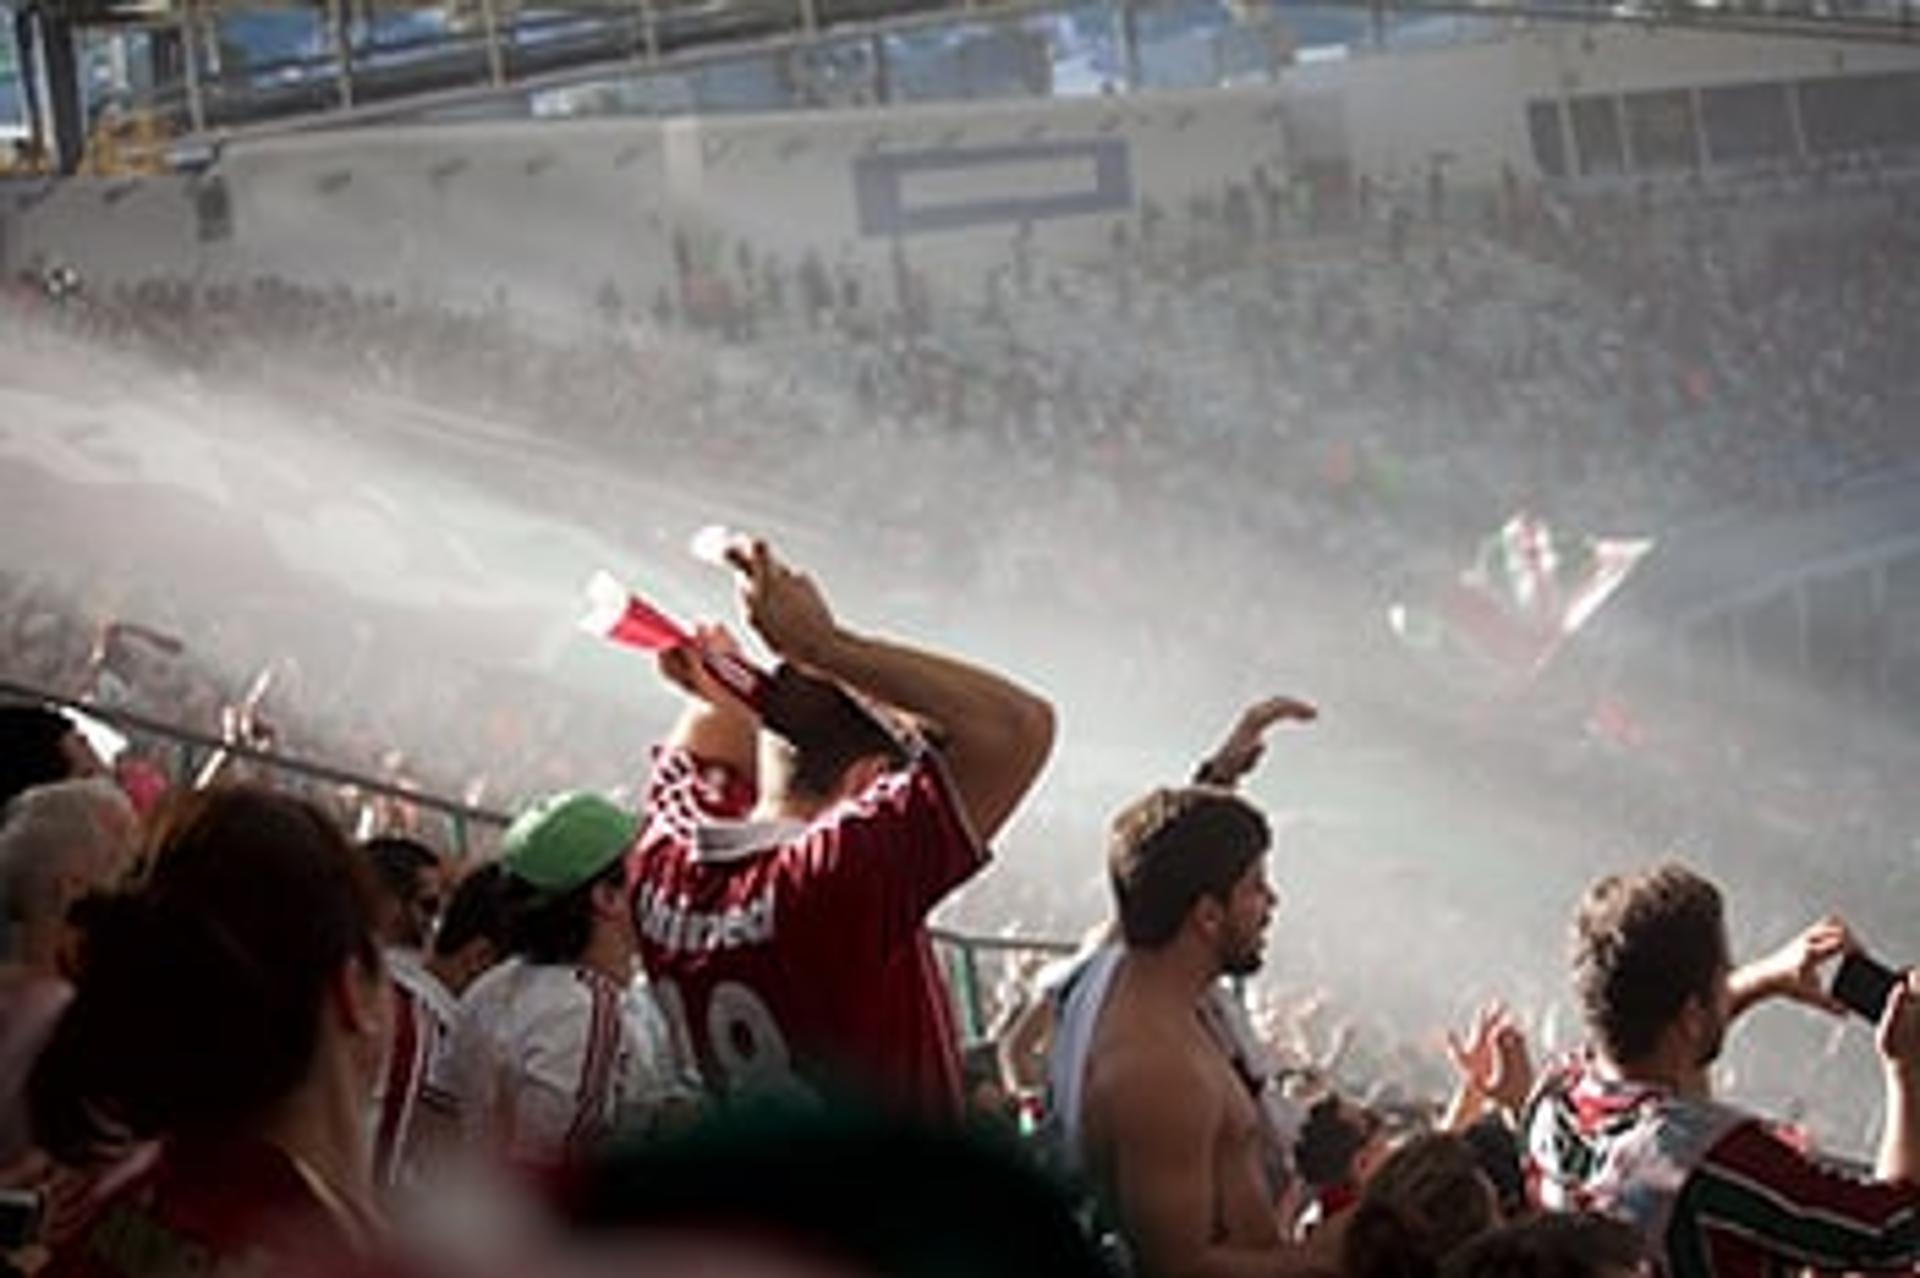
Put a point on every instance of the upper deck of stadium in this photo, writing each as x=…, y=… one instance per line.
x=148, y=73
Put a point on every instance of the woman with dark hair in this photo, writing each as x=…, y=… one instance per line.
x=234, y=1008
x=1427, y=1200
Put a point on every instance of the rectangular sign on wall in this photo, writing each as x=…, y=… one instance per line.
x=13, y=83
x=900, y=192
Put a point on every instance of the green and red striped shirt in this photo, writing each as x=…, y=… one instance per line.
x=1714, y=1191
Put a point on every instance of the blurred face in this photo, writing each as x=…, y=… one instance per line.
x=428, y=896
x=614, y=920
x=1250, y=907
x=409, y=922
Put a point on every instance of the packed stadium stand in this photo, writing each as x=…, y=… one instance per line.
x=1500, y=422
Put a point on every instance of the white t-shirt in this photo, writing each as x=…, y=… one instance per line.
x=416, y=1084
x=547, y=1060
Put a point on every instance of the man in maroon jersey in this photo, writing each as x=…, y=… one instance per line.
x=783, y=878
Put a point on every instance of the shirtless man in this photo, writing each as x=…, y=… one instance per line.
x=1169, y=1131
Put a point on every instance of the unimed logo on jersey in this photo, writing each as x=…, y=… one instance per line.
x=901, y=192
x=675, y=927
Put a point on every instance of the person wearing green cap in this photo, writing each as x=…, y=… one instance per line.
x=563, y=1043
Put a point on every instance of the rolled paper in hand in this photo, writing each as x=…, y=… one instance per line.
x=617, y=614
x=712, y=543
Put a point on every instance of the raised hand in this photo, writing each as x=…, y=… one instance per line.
x=1797, y=970
x=783, y=605
x=1241, y=752
x=1898, y=1037
x=683, y=668
x=1474, y=1059
x=1493, y=1062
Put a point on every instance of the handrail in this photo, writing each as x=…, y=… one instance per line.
x=305, y=767
x=1004, y=944
x=970, y=946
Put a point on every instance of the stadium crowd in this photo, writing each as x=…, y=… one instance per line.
x=1620, y=367
x=710, y=1031
x=665, y=1018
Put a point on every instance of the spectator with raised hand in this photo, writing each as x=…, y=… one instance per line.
x=1633, y=1130
x=1186, y=1180
x=784, y=877
x=234, y=1007
x=1075, y=993
x=562, y=1045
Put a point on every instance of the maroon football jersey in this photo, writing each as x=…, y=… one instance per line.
x=795, y=956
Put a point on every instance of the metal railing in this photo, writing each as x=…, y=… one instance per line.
x=964, y=958
x=188, y=749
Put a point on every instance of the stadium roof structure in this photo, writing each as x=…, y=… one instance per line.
x=251, y=66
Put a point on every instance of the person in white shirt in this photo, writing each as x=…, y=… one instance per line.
x=563, y=1043
x=416, y=1116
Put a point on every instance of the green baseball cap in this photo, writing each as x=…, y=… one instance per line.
x=566, y=840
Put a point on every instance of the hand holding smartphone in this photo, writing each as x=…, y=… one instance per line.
x=1864, y=985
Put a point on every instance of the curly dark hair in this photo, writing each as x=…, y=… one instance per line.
x=1644, y=945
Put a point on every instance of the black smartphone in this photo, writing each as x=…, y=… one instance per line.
x=1864, y=985
x=19, y=1219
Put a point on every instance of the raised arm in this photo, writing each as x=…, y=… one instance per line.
x=714, y=726
x=997, y=734
x=1794, y=971
x=1240, y=752
x=1492, y=1066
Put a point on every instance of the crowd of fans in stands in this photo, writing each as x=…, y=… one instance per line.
x=1402, y=388
x=1617, y=367
x=710, y=1032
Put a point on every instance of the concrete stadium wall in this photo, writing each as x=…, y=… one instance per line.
x=541, y=215
x=1395, y=114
